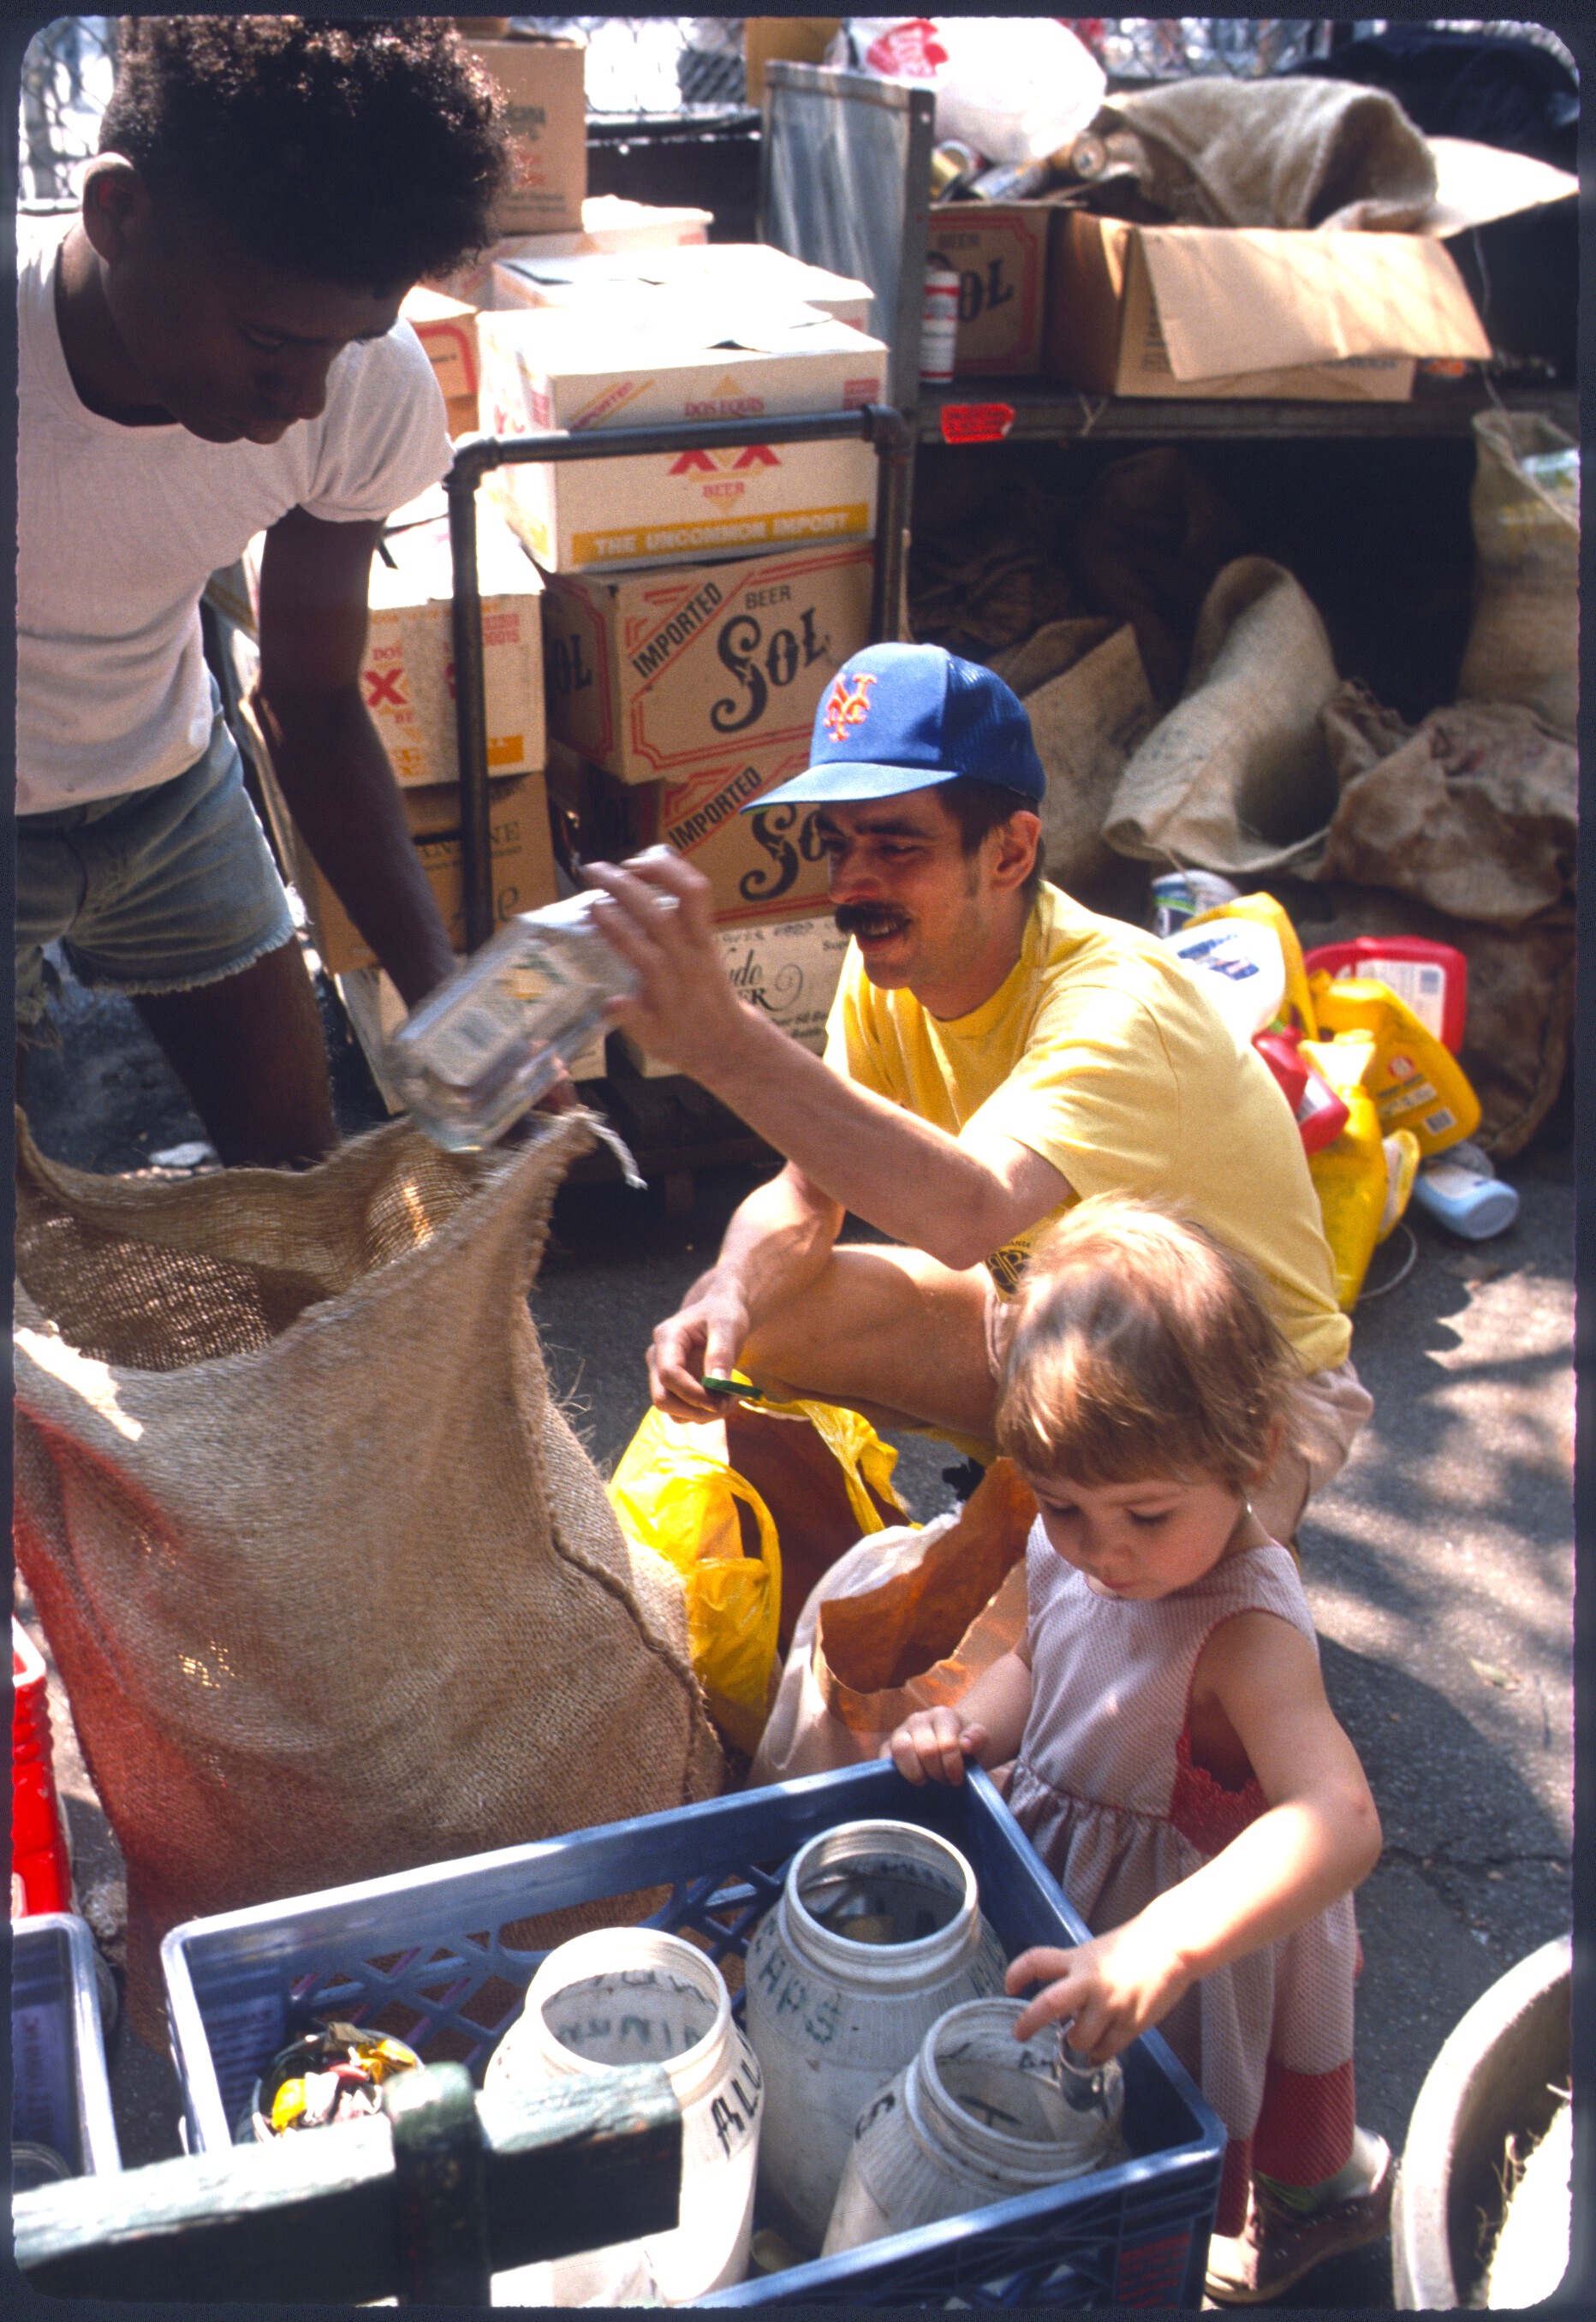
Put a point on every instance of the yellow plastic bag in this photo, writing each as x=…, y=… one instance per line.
x=676, y=1491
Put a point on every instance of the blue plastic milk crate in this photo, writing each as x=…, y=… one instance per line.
x=424, y=1953
x=60, y=2095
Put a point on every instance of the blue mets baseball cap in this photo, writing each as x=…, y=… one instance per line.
x=902, y=718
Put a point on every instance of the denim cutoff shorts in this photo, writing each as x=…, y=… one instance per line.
x=152, y=890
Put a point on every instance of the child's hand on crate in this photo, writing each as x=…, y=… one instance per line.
x=985, y=1726
x=933, y=1744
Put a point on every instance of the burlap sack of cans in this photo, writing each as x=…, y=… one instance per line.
x=332, y=1586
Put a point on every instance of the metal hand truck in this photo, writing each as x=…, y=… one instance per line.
x=882, y=425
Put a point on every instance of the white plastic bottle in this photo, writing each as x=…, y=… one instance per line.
x=976, y=2116
x=1240, y=964
x=635, y=1996
x=876, y=1933
x=1462, y=1189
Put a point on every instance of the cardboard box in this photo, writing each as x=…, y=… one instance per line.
x=788, y=970
x=522, y=860
x=759, y=866
x=609, y=222
x=408, y=674
x=543, y=84
x=447, y=329
x=1000, y=250
x=802, y=40
x=1217, y=311
x=553, y=370
x=655, y=677
x=596, y=282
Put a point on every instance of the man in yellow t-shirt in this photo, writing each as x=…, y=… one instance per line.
x=994, y=1054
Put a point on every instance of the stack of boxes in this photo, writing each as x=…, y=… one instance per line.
x=690, y=608
x=696, y=604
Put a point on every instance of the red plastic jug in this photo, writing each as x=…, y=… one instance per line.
x=1433, y=978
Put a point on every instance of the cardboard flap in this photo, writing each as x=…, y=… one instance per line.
x=1477, y=183
x=1242, y=298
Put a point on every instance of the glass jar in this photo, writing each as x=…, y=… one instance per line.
x=483, y=1047
x=878, y=1931
x=976, y=2116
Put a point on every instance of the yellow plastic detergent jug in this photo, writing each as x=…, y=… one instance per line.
x=1298, y=1014
x=1417, y=1084
x=1349, y=1174
x=1362, y=1178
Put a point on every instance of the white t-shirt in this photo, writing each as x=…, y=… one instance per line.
x=120, y=528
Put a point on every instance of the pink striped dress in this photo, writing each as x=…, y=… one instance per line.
x=1105, y=1789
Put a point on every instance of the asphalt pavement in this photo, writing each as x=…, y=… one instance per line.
x=1439, y=1565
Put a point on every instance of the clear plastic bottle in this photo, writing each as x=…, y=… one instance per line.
x=484, y=1047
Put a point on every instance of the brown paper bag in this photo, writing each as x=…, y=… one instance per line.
x=907, y=1620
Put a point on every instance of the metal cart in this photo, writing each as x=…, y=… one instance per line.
x=670, y=1146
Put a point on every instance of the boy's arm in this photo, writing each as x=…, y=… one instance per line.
x=330, y=764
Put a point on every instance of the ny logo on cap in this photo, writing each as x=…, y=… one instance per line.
x=848, y=705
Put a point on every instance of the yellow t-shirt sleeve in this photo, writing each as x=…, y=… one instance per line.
x=1094, y=1094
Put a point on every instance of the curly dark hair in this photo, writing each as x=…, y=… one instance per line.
x=366, y=154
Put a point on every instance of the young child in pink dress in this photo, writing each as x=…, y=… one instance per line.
x=1177, y=1765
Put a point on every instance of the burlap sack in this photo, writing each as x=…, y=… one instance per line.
x=1086, y=694
x=1474, y=811
x=1147, y=547
x=907, y=1620
x=333, y=1587
x=1236, y=778
x=1524, y=641
x=1286, y=152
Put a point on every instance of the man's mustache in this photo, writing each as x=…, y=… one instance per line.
x=868, y=919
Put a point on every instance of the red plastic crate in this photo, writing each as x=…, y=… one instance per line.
x=41, y=1870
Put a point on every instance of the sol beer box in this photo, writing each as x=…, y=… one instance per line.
x=764, y=865
x=541, y=82
x=653, y=677
x=788, y=970
x=407, y=675
x=554, y=369
x=999, y=250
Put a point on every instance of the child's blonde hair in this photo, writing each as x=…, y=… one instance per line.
x=1140, y=1345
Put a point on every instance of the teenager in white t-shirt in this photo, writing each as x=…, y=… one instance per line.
x=211, y=349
